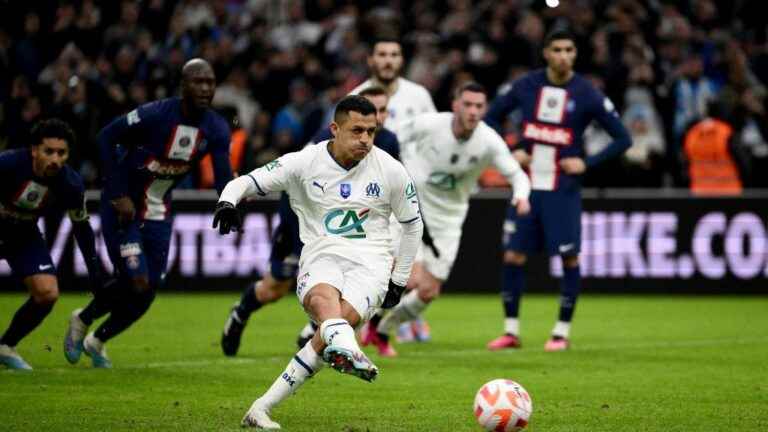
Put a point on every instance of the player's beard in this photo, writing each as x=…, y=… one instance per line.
x=51, y=170
x=391, y=75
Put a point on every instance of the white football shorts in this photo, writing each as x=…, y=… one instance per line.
x=440, y=267
x=362, y=284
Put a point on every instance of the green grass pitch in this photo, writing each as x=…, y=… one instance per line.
x=638, y=363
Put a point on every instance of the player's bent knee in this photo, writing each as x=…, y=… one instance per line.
x=570, y=261
x=140, y=284
x=43, y=288
x=515, y=258
x=270, y=291
x=321, y=301
x=429, y=291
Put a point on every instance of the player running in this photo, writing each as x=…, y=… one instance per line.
x=343, y=192
x=557, y=104
x=446, y=153
x=37, y=182
x=407, y=100
x=286, y=245
x=145, y=154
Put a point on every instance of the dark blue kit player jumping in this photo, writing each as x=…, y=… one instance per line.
x=556, y=105
x=37, y=182
x=145, y=154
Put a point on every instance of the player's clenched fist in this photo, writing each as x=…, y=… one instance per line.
x=522, y=206
x=394, y=292
x=226, y=217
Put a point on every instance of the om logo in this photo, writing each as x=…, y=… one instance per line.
x=373, y=190
x=351, y=224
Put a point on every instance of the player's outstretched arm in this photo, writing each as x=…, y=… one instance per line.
x=510, y=168
x=227, y=217
x=405, y=206
x=274, y=176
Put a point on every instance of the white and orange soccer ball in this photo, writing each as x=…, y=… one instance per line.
x=503, y=405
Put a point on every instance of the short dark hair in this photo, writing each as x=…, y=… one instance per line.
x=559, y=33
x=470, y=86
x=356, y=103
x=52, y=128
x=384, y=39
x=374, y=91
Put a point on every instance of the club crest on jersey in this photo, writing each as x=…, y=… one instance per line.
x=345, y=190
x=350, y=224
x=183, y=143
x=31, y=196
x=373, y=190
x=551, y=105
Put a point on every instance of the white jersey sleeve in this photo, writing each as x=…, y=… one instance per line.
x=274, y=176
x=405, y=207
x=510, y=169
x=429, y=105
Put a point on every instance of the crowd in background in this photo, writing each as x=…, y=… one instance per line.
x=282, y=65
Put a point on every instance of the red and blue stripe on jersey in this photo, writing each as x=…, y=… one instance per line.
x=554, y=118
x=148, y=151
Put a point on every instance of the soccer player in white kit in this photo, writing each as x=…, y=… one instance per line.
x=343, y=192
x=407, y=100
x=446, y=153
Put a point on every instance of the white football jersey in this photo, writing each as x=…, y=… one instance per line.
x=340, y=211
x=445, y=169
x=409, y=100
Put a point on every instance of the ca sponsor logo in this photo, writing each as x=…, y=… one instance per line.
x=275, y=164
x=443, y=180
x=346, y=223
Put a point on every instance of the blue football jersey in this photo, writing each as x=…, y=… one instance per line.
x=554, y=118
x=148, y=151
x=25, y=197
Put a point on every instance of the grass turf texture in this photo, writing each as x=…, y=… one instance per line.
x=637, y=364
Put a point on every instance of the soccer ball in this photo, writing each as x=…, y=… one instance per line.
x=503, y=405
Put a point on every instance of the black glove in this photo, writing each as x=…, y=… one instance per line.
x=227, y=218
x=394, y=292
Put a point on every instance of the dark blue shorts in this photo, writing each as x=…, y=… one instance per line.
x=23, y=247
x=553, y=225
x=286, y=244
x=138, y=249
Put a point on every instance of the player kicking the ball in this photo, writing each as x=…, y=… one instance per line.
x=343, y=191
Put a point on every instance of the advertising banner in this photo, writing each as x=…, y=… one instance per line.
x=630, y=243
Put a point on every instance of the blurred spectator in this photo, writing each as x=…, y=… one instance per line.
x=711, y=151
x=297, y=121
x=234, y=93
x=692, y=93
x=643, y=161
x=659, y=61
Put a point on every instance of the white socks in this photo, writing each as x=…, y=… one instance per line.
x=409, y=308
x=303, y=365
x=562, y=329
x=512, y=326
x=337, y=331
